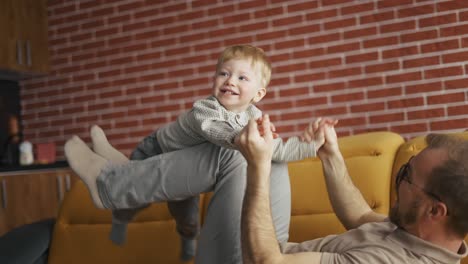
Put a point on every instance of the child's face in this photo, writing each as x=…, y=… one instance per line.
x=237, y=84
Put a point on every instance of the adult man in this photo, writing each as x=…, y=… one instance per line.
x=427, y=225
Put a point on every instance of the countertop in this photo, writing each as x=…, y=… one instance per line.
x=33, y=167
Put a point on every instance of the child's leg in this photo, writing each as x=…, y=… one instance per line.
x=120, y=217
x=186, y=215
x=185, y=212
x=86, y=164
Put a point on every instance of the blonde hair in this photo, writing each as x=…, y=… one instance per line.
x=256, y=55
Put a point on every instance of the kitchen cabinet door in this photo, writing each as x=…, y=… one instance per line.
x=24, y=46
x=32, y=196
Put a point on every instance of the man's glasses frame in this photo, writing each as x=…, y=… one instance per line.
x=403, y=175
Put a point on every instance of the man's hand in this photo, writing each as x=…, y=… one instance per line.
x=315, y=131
x=331, y=142
x=256, y=145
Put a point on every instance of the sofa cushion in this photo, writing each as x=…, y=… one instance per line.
x=81, y=234
x=369, y=158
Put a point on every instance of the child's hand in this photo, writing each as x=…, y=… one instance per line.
x=262, y=131
x=314, y=132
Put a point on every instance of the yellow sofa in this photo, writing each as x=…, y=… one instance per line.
x=81, y=231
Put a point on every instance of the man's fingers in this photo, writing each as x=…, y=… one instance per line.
x=266, y=123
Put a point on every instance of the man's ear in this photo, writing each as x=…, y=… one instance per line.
x=439, y=209
x=260, y=94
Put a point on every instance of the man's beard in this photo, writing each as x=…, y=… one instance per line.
x=400, y=218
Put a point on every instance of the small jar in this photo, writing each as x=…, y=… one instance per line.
x=26, y=153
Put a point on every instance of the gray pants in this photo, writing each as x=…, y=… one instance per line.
x=179, y=175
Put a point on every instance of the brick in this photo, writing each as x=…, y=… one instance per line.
x=266, y=107
x=443, y=72
x=370, y=56
x=348, y=22
x=272, y=35
x=405, y=102
x=377, y=17
x=416, y=11
x=347, y=97
x=279, y=81
x=403, y=77
x=440, y=46
x=446, y=98
x=456, y=84
x=291, y=67
x=308, y=53
x=410, y=128
x=437, y=20
x=323, y=38
x=359, y=8
x=379, y=42
x=365, y=82
x=458, y=110
x=289, y=44
x=421, y=62
x=455, y=57
x=361, y=32
x=325, y=63
x=368, y=107
x=426, y=114
x=423, y=87
x=301, y=7
x=343, y=47
x=304, y=29
x=419, y=36
x=354, y=121
x=382, y=67
x=313, y=101
x=329, y=87
x=397, y=27
x=333, y=2
x=294, y=92
x=393, y=3
x=175, y=8
x=454, y=31
x=290, y=20
x=322, y=14
x=309, y=77
x=331, y=111
x=384, y=93
x=252, y=4
x=461, y=123
x=276, y=11
x=385, y=118
x=400, y=52
x=452, y=5
x=344, y=72
x=224, y=9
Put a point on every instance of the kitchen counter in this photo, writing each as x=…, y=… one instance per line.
x=34, y=167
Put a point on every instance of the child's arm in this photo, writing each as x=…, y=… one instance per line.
x=305, y=146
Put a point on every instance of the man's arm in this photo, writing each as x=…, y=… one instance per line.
x=259, y=243
x=347, y=201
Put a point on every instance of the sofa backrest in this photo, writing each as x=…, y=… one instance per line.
x=369, y=158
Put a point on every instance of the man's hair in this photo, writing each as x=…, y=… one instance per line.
x=450, y=179
x=258, y=59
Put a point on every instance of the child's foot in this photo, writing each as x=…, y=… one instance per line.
x=103, y=148
x=86, y=164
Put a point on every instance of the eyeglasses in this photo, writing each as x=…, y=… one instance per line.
x=403, y=175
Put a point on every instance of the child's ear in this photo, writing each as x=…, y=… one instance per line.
x=260, y=94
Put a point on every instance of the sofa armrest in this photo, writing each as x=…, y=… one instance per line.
x=27, y=244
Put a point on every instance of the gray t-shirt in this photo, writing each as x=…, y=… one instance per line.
x=376, y=243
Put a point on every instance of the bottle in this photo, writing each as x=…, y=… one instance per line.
x=26, y=153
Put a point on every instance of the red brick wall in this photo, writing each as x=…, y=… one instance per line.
x=132, y=66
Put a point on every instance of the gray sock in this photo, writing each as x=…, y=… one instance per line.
x=188, y=248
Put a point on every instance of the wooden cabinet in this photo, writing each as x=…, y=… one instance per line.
x=30, y=196
x=23, y=46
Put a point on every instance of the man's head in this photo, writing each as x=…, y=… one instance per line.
x=242, y=75
x=433, y=184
